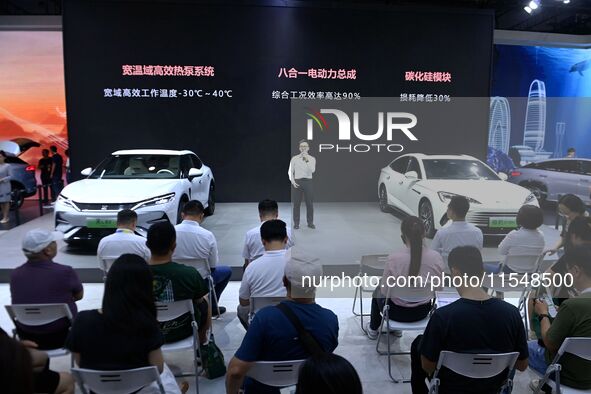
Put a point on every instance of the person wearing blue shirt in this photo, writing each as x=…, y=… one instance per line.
x=272, y=337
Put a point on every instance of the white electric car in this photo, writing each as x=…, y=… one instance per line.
x=154, y=183
x=422, y=185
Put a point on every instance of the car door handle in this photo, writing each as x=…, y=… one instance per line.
x=388, y=177
x=543, y=176
x=401, y=182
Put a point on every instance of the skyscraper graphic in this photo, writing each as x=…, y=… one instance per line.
x=535, y=117
x=558, y=146
x=499, y=125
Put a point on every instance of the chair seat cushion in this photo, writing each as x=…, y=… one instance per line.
x=414, y=326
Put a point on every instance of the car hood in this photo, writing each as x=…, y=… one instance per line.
x=118, y=190
x=486, y=192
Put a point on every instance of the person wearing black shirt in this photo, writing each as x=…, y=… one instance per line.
x=57, y=184
x=475, y=323
x=45, y=165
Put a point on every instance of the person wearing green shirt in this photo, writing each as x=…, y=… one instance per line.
x=572, y=320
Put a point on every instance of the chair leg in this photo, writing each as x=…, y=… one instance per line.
x=354, y=301
x=388, y=352
x=213, y=296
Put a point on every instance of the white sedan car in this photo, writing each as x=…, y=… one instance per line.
x=154, y=183
x=422, y=185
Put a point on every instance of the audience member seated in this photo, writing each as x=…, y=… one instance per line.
x=253, y=246
x=124, y=240
x=458, y=232
x=475, y=323
x=24, y=369
x=195, y=242
x=413, y=260
x=42, y=281
x=273, y=337
x=124, y=333
x=328, y=373
x=528, y=235
x=264, y=276
x=570, y=207
x=176, y=282
x=573, y=320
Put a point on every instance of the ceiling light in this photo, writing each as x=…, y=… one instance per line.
x=527, y=9
x=566, y=1
x=533, y=4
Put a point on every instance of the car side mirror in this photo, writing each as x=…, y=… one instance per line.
x=195, y=173
x=503, y=176
x=87, y=171
x=412, y=175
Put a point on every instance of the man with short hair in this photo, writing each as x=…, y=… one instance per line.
x=196, y=242
x=45, y=164
x=264, y=276
x=176, y=282
x=42, y=281
x=475, y=323
x=124, y=240
x=273, y=337
x=300, y=172
x=572, y=320
x=57, y=183
x=253, y=245
x=458, y=232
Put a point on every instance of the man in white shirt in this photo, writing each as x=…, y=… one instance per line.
x=253, y=245
x=193, y=242
x=264, y=276
x=301, y=170
x=124, y=240
x=458, y=232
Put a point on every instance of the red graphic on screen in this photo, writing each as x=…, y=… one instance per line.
x=317, y=73
x=427, y=76
x=167, y=71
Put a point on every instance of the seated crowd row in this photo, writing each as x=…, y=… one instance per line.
x=125, y=334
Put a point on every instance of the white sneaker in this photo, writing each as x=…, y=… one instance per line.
x=371, y=334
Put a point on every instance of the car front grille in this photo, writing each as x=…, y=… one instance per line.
x=103, y=207
x=481, y=219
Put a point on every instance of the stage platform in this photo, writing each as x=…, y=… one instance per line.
x=344, y=232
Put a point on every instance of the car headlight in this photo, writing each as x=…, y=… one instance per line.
x=164, y=199
x=66, y=201
x=446, y=196
x=532, y=197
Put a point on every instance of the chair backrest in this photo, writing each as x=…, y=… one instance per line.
x=167, y=311
x=276, y=373
x=523, y=259
x=579, y=346
x=373, y=264
x=200, y=265
x=477, y=366
x=38, y=314
x=116, y=382
x=258, y=303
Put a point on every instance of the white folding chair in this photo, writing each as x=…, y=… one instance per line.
x=170, y=311
x=39, y=315
x=116, y=382
x=202, y=266
x=476, y=366
x=522, y=259
x=276, y=373
x=258, y=303
x=370, y=265
x=387, y=325
x=579, y=346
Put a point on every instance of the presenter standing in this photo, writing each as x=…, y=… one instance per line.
x=301, y=170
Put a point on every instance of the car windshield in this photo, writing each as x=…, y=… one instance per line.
x=139, y=166
x=458, y=169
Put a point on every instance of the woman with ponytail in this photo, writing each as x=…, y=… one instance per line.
x=412, y=260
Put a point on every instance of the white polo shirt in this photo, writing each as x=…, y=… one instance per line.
x=456, y=234
x=264, y=276
x=253, y=246
x=121, y=242
x=195, y=242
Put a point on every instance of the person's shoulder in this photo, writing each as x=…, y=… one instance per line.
x=61, y=267
x=253, y=231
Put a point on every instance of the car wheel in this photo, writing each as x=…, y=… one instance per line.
x=182, y=203
x=210, y=200
x=17, y=198
x=426, y=216
x=538, y=190
x=383, y=199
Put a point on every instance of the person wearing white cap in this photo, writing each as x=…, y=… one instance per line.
x=42, y=281
x=272, y=334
